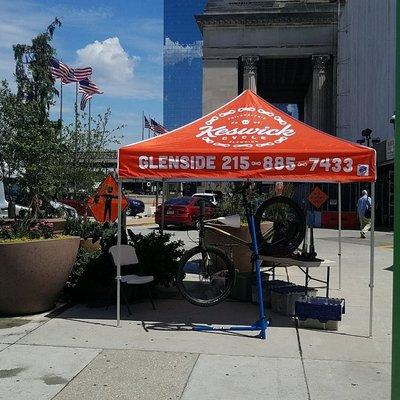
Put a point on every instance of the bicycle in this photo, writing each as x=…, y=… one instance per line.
x=206, y=275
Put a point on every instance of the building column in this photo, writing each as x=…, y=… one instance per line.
x=250, y=72
x=320, y=92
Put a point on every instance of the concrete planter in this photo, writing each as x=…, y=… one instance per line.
x=241, y=254
x=33, y=273
x=88, y=245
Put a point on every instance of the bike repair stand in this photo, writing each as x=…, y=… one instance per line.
x=261, y=324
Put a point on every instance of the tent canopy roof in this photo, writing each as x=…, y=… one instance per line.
x=247, y=138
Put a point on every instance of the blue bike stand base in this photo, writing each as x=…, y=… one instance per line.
x=260, y=325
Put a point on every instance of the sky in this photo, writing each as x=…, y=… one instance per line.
x=121, y=40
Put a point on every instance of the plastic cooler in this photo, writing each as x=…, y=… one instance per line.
x=283, y=299
x=242, y=290
x=319, y=312
x=267, y=287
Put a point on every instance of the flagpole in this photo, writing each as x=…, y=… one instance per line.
x=76, y=135
x=89, y=127
x=61, y=107
x=148, y=129
x=142, y=125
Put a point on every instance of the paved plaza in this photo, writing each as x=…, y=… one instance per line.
x=78, y=353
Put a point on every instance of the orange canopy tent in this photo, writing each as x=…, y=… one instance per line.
x=247, y=138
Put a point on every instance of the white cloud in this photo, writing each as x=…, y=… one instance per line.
x=175, y=52
x=114, y=70
x=110, y=61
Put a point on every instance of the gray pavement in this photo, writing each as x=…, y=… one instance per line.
x=81, y=354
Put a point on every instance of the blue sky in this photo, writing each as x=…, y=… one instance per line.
x=122, y=40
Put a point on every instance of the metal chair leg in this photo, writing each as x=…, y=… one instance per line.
x=111, y=291
x=126, y=300
x=150, y=296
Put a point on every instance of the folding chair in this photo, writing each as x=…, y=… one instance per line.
x=128, y=258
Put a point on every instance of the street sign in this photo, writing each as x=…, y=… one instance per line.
x=104, y=203
x=317, y=197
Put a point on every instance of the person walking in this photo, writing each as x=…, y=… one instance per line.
x=364, y=213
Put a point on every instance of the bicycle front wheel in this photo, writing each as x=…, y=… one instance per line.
x=205, y=276
x=285, y=226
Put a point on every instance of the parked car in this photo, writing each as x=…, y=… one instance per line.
x=135, y=207
x=212, y=197
x=19, y=210
x=80, y=206
x=66, y=210
x=184, y=211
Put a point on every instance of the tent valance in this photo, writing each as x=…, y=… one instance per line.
x=247, y=138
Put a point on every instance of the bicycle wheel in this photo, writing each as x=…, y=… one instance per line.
x=287, y=230
x=205, y=276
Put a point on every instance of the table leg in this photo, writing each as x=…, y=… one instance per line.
x=328, y=270
x=306, y=285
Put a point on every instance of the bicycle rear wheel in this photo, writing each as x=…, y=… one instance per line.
x=288, y=226
x=205, y=276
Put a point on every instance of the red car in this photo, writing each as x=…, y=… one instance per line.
x=184, y=211
x=79, y=206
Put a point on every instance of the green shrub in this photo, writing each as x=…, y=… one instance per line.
x=87, y=228
x=93, y=274
x=158, y=255
x=91, y=277
x=83, y=227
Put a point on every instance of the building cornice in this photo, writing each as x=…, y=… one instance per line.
x=267, y=19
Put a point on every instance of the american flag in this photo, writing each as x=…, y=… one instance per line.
x=60, y=70
x=156, y=127
x=146, y=123
x=82, y=73
x=69, y=78
x=85, y=98
x=88, y=86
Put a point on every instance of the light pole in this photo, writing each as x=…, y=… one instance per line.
x=367, y=138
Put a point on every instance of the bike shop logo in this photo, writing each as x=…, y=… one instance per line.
x=362, y=170
x=268, y=129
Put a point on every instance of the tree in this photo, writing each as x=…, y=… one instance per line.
x=29, y=140
x=45, y=163
x=81, y=166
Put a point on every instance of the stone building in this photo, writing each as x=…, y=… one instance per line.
x=286, y=51
x=333, y=59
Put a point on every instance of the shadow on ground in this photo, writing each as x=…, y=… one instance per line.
x=176, y=315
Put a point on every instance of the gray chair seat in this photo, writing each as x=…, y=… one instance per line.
x=128, y=257
x=136, y=279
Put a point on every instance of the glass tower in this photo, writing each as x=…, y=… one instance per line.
x=183, y=65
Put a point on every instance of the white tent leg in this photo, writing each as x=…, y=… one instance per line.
x=371, y=260
x=119, y=253
x=164, y=189
x=340, y=234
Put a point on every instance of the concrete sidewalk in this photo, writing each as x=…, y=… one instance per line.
x=80, y=354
